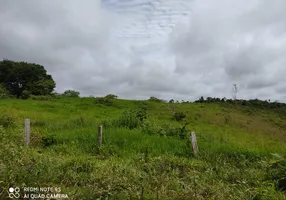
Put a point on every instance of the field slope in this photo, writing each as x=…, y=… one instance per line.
x=145, y=152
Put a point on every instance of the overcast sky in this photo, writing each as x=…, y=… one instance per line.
x=180, y=49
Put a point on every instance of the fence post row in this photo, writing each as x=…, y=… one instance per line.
x=27, y=132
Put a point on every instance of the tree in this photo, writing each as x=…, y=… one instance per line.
x=32, y=78
x=111, y=96
x=201, y=100
x=71, y=93
x=172, y=101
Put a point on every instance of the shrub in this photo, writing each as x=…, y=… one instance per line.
x=107, y=123
x=4, y=93
x=48, y=140
x=6, y=121
x=104, y=101
x=151, y=128
x=141, y=113
x=155, y=99
x=128, y=119
x=71, y=93
x=25, y=94
x=111, y=96
x=174, y=131
x=178, y=116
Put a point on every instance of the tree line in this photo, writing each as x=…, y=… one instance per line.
x=22, y=79
x=251, y=102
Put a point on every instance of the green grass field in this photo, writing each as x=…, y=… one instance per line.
x=241, y=156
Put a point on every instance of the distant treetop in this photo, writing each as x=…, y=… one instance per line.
x=22, y=79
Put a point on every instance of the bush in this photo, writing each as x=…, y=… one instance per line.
x=128, y=119
x=151, y=128
x=48, y=140
x=111, y=96
x=155, y=99
x=104, y=101
x=141, y=113
x=25, y=94
x=71, y=93
x=175, y=131
x=6, y=121
x=107, y=123
x=178, y=116
x=4, y=93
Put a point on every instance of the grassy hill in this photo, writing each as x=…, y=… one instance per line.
x=145, y=153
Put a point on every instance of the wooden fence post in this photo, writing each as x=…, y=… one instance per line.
x=193, y=139
x=99, y=136
x=27, y=132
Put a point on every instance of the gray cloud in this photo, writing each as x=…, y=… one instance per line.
x=239, y=44
x=86, y=48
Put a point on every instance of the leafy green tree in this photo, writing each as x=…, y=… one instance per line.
x=32, y=78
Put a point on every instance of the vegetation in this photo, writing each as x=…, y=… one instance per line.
x=4, y=93
x=71, y=93
x=107, y=100
x=145, y=153
x=178, y=116
x=155, y=99
x=22, y=79
x=254, y=103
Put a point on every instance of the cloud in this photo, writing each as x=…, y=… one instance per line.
x=240, y=43
x=166, y=48
x=64, y=36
